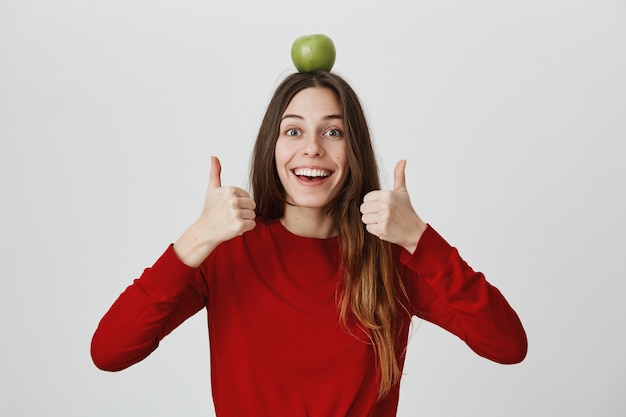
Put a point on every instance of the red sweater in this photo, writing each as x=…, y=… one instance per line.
x=277, y=346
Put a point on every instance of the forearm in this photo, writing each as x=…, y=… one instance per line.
x=480, y=314
x=162, y=298
x=449, y=293
x=417, y=229
x=193, y=246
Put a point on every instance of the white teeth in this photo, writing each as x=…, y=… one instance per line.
x=308, y=172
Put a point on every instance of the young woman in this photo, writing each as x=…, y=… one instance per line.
x=310, y=284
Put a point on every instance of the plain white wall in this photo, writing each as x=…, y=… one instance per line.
x=512, y=116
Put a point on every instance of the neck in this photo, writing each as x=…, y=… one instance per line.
x=308, y=222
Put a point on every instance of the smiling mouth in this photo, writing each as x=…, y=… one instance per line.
x=311, y=174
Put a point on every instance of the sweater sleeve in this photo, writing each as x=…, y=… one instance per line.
x=446, y=291
x=150, y=308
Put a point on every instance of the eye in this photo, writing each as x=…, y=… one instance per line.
x=292, y=132
x=336, y=133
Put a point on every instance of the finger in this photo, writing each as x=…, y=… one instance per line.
x=236, y=191
x=369, y=218
x=399, y=180
x=248, y=214
x=249, y=225
x=369, y=207
x=372, y=196
x=247, y=204
x=373, y=229
x=216, y=170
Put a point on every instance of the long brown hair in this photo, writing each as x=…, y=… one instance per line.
x=369, y=292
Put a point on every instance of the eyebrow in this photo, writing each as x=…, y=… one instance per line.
x=296, y=116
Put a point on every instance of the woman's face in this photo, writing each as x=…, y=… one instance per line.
x=311, y=150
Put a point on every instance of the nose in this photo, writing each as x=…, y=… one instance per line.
x=312, y=147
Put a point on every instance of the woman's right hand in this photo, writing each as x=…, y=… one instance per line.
x=228, y=212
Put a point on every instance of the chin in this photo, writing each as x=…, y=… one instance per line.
x=309, y=204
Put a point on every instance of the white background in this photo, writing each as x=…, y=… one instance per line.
x=512, y=116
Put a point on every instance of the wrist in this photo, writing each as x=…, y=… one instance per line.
x=192, y=248
x=412, y=243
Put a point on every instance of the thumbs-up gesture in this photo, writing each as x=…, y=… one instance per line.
x=228, y=212
x=389, y=214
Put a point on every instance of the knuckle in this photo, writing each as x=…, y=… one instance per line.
x=233, y=203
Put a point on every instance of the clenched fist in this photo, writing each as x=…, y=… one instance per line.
x=228, y=212
x=389, y=214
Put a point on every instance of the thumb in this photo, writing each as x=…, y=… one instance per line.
x=399, y=182
x=216, y=170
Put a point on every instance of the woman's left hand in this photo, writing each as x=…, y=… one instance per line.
x=389, y=214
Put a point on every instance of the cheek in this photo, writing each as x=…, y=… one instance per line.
x=279, y=154
x=282, y=156
x=341, y=157
x=283, y=150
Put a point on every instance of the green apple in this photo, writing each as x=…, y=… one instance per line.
x=313, y=52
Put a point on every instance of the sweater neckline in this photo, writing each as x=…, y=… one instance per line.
x=291, y=238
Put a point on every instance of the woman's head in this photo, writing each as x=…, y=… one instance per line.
x=311, y=151
x=361, y=175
